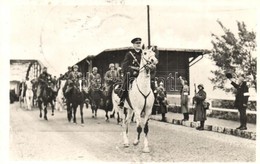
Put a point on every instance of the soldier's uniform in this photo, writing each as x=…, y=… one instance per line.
x=95, y=81
x=73, y=79
x=132, y=60
x=111, y=77
x=161, y=97
x=66, y=75
x=43, y=80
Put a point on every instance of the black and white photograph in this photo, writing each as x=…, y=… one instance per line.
x=126, y=81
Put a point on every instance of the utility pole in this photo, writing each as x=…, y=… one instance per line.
x=148, y=25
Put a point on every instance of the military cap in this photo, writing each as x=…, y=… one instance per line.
x=75, y=66
x=94, y=68
x=201, y=85
x=44, y=67
x=111, y=65
x=136, y=40
x=69, y=67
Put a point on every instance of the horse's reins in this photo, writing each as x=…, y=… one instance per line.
x=147, y=62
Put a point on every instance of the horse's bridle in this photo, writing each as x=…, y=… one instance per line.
x=145, y=66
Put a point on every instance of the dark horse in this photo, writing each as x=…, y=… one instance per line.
x=47, y=97
x=75, y=97
x=100, y=99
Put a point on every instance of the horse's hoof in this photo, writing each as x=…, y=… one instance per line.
x=136, y=143
x=92, y=116
x=40, y=115
x=126, y=145
x=146, y=150
x=52, y=114
x=46, y=118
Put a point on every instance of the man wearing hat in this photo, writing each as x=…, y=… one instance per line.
x=43, y=81
x=241, y=100
x=130, y=67
x=162, y=100
x=95, y=79
x=73, y=78
x=66, y=75
x=200, y=112
x=111, y=77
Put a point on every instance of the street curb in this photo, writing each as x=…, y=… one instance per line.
x=214, y=128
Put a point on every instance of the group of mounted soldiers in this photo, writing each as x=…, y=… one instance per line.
x=93, y=80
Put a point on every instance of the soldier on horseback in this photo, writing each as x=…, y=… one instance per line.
x=130, y=68
x=111, y=77
x=95, y=79
x=73, y=80
x=66, y=75
x=43, y=81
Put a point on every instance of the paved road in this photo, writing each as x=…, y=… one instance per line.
x=32, y=138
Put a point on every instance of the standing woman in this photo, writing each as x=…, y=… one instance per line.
x=200, y=112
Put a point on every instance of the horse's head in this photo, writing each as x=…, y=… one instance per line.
x=148, y=58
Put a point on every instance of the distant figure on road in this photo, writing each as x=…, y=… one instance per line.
x=200, y=112
x=241, y=100
x=184, y=99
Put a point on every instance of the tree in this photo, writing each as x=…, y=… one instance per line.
x=234, y=54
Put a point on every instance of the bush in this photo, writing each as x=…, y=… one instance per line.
x=229, y=104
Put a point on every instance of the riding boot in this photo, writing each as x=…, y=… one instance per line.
x=122, y=101
x=122, y=96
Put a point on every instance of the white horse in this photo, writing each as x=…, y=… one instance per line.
x=29, y=94
x=140, y=99
x=60, y=99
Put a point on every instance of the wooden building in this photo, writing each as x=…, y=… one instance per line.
x=171, y=63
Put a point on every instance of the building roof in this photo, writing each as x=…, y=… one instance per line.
x=197, y=52
x=202, y=51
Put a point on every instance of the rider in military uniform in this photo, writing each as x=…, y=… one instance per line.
x=95, y=79
x=111, y=77
x=66, y=75
x=130, y=67
x=73, y=79
x=43, y=80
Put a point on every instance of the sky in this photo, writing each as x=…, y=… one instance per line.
x=60, y=33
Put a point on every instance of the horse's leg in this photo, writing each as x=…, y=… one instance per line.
x=57, y=105
x=93, y=109
x=138, y=128
x=45, y=111
x=68, y=111
x=40, y=107
x=28, y=101
x=52, y=108
x=146, y=130
x=125, y=125
x=81, y=112
x=107, y=107
x=74, y=108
